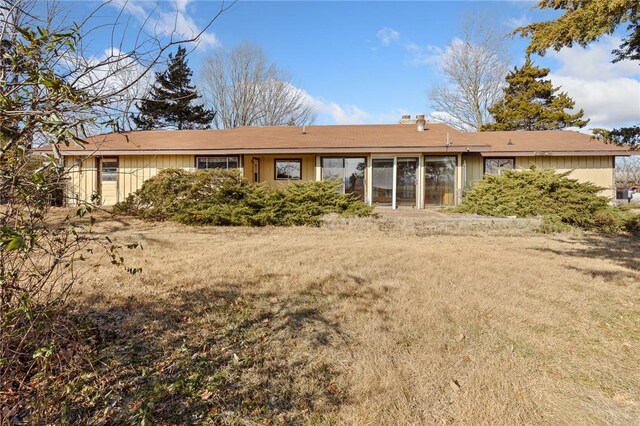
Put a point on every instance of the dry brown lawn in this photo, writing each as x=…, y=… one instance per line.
x=369, y=322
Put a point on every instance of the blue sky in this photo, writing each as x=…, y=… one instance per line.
x=371, y=61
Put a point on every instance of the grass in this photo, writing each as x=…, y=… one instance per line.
x=364, y=321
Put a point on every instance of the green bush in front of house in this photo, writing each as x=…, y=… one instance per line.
x=561, y=201
x=224, y=197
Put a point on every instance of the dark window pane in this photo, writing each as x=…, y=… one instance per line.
x=439, y=180
x=354, y=169
x=406, y=178
x=109, y=170
x=382, y=181
x=333, y=168
x=218, y=162
x=233, y=163
x=493, y=166
x=288, y=169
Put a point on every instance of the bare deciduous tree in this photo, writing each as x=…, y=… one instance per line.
x=627, y=171
x=475, y=68
x=52, y=93
x=244, y=89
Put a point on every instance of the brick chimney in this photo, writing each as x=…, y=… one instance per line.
x=406, y=119
x=420, y=123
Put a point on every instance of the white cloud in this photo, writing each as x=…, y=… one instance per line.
x=609, y=93
x=183, y=25
x=391, y=117
x=513, y=22
x=445, y=117
x=609, y=102
x=131, y=7
x=387, y=35
x=341, y=114
x=420, y=55
x=416, y=54
x=594, y=62
x=181, y=5
x=167, y=19
x=330, y=112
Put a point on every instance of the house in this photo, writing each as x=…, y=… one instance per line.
x=412, y=164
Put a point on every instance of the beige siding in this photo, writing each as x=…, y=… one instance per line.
x=473, y=168
x=135, y=169
x=597, y=170
x=83, y=175
x=132, y=172
x=267, y=168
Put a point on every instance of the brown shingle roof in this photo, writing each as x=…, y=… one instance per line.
x=344, y=139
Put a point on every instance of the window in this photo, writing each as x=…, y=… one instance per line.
x=288, y=169
x=494, y=166
x=350, y=171
x=219, y=162
x=109, y=170
x=440, y=180
x=382, y=181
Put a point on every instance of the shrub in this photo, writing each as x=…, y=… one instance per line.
x=554, y=196
x=221, y=197
x=632, y=225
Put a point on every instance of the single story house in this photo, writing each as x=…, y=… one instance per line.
x=412, y=164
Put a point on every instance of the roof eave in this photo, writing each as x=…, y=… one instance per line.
x=619, y=153
x=266, y=151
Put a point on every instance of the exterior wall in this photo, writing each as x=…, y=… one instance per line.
x=598, y=170
x=473, y=169
x=135, y=169
x=132, y=172
x=83, y=175
x=267, y=168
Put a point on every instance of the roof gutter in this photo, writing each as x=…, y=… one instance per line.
x=266, y=151
x=557, y=153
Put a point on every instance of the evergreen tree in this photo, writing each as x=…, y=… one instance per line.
x=169, y=103
x=532, y=103
x=621, y=136
x=583, y=22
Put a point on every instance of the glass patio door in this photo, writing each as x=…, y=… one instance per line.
x=439, y=180
x=394, y=181
x=406, y=182
x=382, y=181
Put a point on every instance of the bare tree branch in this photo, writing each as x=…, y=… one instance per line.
x=475, y=68
x=245, y=90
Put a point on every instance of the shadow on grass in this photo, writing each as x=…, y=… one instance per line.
x=623, y=251
x=217, y=356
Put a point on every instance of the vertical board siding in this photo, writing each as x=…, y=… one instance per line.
x=597, y=170
x=135, y=169
x=474, y=169
x=82, y=174
x=267, y=168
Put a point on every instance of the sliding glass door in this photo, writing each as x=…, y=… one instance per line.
x=439, y=180
x=406, y=182
x=404, y=176
x=382, y=181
